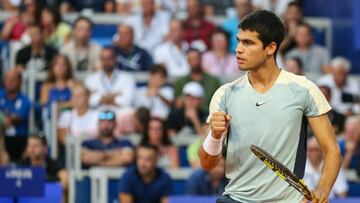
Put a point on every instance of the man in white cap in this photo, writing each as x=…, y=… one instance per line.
x=190, y=115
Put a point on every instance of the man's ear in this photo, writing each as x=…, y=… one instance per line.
x=271, y=48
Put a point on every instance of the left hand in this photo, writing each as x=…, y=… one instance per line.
x=321, y=196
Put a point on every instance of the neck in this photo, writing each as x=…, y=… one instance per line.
x=106, y=139
x=126, y=48
x=265, y=75
x=37, y=162
x=109, y=73
x=177, y=43
x=196, y=75
x=36, y=48
x=81, y=110
x=148, y=178
x=220, y=53
x=11, y=95
x=81, y=44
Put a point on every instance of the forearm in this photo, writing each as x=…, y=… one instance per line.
x=207, y=161
x=330, y=169
x=90, y=157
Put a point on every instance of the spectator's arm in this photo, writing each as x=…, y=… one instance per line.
x=44, y=94
x=92, y=157
x=125, y=198
x=121, y=157
x=64, y=179
x=164, y=200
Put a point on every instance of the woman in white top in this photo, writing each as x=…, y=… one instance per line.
x=80, y=121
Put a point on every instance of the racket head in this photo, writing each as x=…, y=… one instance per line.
x=282, y=171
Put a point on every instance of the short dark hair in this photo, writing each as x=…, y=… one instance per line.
x=39, y=136
x=297, y=60
x=158, y=68
x=149, y=146
x=267, y=24
x=84, y=19
x=294, y=3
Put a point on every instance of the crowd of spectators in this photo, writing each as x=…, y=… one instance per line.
x=185, y=59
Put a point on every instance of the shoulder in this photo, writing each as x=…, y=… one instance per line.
x=91, y=144
x=163, y=175
x=297, y=82
x=123, y=143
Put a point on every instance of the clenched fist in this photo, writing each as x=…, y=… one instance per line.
x=219, y=123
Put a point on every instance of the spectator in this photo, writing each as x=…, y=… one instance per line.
x=59, y=84
x=84, y=55
x=337, y=119
x=15, y=107
x=157, y=135
x=192, y=152
x=276, y=6
x=314, y=57
x=172, y=53
x=313, y=168
x=141, y=120
x=150, y=26
x=190, y=116
x=129, y=56
x=208, y=82
x=173, y=7
x=110, y=86
x=218, y=7
x=16, y=25
x=81, y=120
x=349, y=145
x=94, y=5
x=207, y=183
x=36, y=155
x=37, y=56
x=292, y=18
x=106, y=150
x=243, y=7
x=145, y=183
x=157, y=97
x=218, y=61
x=294, y=65
x=340, y=83
x=197, y=30
x=57, y=33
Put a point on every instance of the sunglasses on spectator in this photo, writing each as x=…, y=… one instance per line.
x=106, y=116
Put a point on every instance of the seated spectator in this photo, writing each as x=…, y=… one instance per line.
x=340, y=83
x=206, y=183
x=208, y=82
x=59, y=84
x=129, y=56
x=293, y=16
x=276, y=6
x=197, y=30
x=315, y=58
x=141, y=120
x=337, y=119
x=218, y=61
x=106, y=150
x=37, y=56
x=110, y=86
x=157, y=97
x=16, y=25
x=36, y=155
x=190, y=116
x=157, y=135
x=349, y=144
x=15, y=107
x=294, y=65
x=84, y=55
x=150, y=26
x=145, y=183
x=172, y=53
x=57, y=33
x=243, y=7
x=313, y=169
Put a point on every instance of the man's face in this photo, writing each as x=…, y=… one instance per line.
x=243, y=7
x=108, y=60
x=250, y=52
x=193, y=8
x=106, y=128
x=192, y=102
x=82, y=31
x=146, y=160
x=35, y=35
x=293, y=14
x=148, y=6
x=303, y=36
x=126, y=36
x=35, y=149
x=194, y=60
x=176, y=31
x=12, y=81
x=340, y=75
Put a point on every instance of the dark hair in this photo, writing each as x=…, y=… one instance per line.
x=165, y=140
x=39, y=136
x=68, y=72
x=148, y=146
x=158, y=68
x=303, y=24
x=294, y=3
x=55, y=13
x=297, y=60
x=327, y=88
x=267, y=25
x=221, y=31
x=86, y=19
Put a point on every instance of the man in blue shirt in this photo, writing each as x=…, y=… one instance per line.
x=145, y=183
x=14, y=107
x=106, y=150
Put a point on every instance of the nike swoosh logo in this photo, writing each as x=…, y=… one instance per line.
x=260, y=103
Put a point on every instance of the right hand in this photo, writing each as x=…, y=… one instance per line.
x=219, y=123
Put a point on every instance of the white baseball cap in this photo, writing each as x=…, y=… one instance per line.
x=194, y=89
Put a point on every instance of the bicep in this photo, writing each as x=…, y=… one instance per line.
x=125, y=198
x=323, y=131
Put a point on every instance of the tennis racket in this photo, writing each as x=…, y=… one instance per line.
x=282, y=171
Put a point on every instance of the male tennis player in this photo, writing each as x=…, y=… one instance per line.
x=268, y=107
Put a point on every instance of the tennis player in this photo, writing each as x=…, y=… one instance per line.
x=271, y=108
